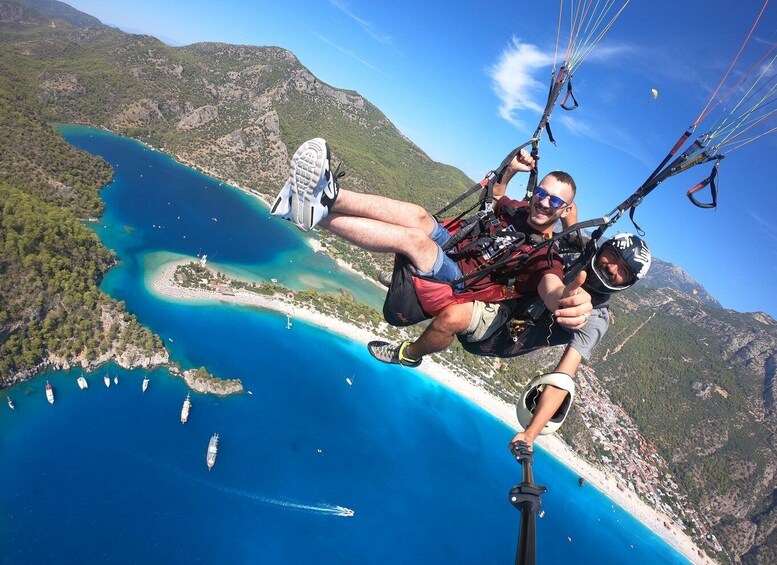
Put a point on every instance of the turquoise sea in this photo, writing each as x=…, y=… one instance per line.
x=110, y=475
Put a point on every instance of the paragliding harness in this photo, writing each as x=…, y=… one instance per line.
x=505, y=252
x=531, y=325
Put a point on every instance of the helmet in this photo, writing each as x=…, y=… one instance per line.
x=528, y=402
x=632, y=249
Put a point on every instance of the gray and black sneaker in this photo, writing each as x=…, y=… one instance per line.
x=384, y=278
x=308, y=195
x=394, y=354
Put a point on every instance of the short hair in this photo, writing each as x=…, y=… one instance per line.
x=566, y=178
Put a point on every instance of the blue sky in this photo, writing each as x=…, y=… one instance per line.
x=466, y=82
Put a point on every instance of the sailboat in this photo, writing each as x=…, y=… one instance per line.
x=10, y=402
x=116, y=379
x=145, y=384
x=49, y=393
x=288, y=322
x=107, y=380
x=82, y=384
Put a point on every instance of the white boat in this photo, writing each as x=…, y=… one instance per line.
x=116, y=379
x=107, y=380
x=145, y=384
x=288, y=322
x=49, y=393
x=349, y=380
x=82, y=384
x=187, y=405
x=213, y=449
x=10, y=402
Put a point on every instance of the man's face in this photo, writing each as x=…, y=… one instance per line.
x=549, y=204
x=613, y=267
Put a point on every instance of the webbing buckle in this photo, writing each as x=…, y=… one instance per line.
x=516, y=326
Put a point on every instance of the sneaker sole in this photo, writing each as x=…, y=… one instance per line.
x=307, y=167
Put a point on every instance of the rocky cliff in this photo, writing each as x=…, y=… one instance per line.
x=695, y=379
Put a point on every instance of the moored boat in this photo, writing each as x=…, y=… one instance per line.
x=187, y=405
x=49, y=393
x=82, y=384
x=213, y=449
x=116, y=379
x=10, y=402
x=145, y=384
x=107, y=380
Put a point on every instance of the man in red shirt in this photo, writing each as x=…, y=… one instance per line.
x=312, y=196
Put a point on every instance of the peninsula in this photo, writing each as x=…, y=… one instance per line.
x=190, y=280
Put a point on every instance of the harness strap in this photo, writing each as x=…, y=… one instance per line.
x=485, y=183
x=531, y=184
x=569, y=94
x=711, y=181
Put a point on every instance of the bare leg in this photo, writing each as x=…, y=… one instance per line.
x=383, y=209
x=374, y=235
x=439, y=334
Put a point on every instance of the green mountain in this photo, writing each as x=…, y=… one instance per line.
x=678, y=401
x=51, y=311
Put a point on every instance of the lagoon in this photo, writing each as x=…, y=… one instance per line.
x=111, y=475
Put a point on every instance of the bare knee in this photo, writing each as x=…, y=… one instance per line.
x=416, y=245
x=414, y=216
x=422, y=219
x=454, y=319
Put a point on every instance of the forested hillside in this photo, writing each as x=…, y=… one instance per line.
x=51, y=310
x=695, y=382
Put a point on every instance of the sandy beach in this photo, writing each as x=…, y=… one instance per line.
x=164, y=285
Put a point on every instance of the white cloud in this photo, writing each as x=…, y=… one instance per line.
x=769, y=228
x=513, y=80
x=606, y=135
x=614, y=51
x=349, y=53
x=375, y=34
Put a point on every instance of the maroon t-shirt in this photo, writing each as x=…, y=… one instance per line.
x=527, y=277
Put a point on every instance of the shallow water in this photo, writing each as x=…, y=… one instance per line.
x=111, y=475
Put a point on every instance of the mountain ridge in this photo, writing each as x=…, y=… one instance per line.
x=235, y=111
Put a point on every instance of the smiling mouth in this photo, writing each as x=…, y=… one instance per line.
x=545, y=211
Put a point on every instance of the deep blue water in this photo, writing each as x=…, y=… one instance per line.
x=110, y=475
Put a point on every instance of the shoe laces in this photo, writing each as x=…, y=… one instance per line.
x=338, y=174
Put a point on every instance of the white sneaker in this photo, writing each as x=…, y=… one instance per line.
x=311, y=190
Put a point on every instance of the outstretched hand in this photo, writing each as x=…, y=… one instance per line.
x=575, y=307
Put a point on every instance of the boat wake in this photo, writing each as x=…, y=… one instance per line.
x=321, y=508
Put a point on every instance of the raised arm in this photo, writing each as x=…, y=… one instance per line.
x=523, y=162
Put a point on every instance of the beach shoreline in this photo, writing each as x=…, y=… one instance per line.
x=164, y=285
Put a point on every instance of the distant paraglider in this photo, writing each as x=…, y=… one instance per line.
x=654, y=95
